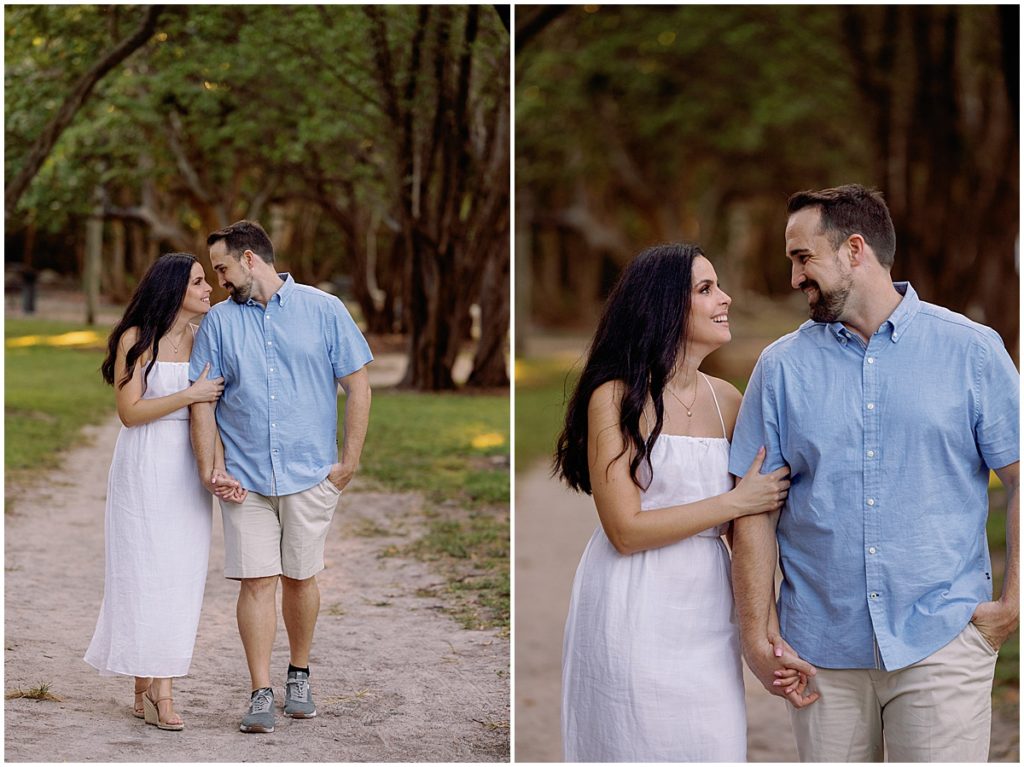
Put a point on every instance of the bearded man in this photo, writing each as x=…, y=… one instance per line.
x=283, y=350
x=890, y=413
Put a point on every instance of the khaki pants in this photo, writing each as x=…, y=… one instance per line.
x=937, y=710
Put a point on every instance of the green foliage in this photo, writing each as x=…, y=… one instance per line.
x=50, y=394
x=250, y=94
x=691, y=94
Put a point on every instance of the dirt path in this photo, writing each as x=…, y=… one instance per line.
x=552, y=527
x=395, y=679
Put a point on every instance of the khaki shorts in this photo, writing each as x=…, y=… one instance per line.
x=937, y=710
x=278, y=535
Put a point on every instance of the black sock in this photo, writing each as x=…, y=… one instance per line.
x=292, y=668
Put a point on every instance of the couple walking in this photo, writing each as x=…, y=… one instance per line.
x=244, y=408
x=862, y=449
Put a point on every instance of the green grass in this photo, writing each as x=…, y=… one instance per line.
x=473, y=554
x=447, y=446
x=454, y=449
x=50, y=394
x=543, y=388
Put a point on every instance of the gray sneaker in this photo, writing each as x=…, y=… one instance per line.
x=260, y=716
x=298, y=699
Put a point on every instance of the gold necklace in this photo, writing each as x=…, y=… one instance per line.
x=689, y=408
x=173, y=345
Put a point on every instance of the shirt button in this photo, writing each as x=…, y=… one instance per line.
x=273, y=396
x=872, y=550
x=270, y=343
x=271, y=370
x=871, y=501
x=871, y=406
x=871, y=360
x=871, y=453
x=273, y=426
x=873, y=595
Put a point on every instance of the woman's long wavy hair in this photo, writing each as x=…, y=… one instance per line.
x=639, y=342
x=152, y=309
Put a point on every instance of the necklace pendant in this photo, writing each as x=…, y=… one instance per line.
x=690, y=414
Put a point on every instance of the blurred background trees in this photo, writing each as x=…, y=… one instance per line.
x=636, y=125
x=371, y=142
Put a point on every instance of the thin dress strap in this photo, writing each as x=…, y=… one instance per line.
x=715, y=397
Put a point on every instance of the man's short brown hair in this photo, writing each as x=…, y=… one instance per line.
x=852, y=209
x=242, y=236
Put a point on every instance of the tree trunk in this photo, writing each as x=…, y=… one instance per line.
x=490, y=366
x=93, y=264
x=116, y=284
x=948, y=153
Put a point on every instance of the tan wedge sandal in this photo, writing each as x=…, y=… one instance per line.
x=153, y=713
x=138, y=708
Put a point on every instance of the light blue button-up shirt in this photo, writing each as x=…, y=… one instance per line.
x=882, y=541
x=278, y=415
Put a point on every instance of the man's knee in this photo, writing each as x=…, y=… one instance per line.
x=295, y=584
x=259, y=588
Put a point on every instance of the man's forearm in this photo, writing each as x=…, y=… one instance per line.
x=203, y=431
x=357, y=420
x=753, y=570
x=1011, y=579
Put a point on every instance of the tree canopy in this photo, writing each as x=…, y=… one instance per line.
x=368, y=140
x=643, y=124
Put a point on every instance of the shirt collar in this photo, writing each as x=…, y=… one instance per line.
x=898, y=321
x=905, y=311
x=283, y=293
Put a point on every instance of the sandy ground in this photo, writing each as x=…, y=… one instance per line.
x=394, y=678
x=552, y=527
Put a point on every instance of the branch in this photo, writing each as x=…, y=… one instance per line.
x=159, y=229
x=185, y=167
x=534, y=25
x=74, y=102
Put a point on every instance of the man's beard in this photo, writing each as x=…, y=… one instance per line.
x=240, y=294
x=830, y=305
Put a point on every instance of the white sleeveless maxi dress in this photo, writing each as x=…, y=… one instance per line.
x=651, y=666
x=158, y=524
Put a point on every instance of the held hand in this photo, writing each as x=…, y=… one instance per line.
x=770, y=655
x=205, y=390
x=757, y=493
x=340, y=475
x=226, y=487
x=996, y=621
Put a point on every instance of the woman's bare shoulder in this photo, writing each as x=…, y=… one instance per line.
x=606, y=401
x=729, y=398
x=725, y=391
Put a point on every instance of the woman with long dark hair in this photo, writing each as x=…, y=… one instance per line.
x=651, y=662
x=158, y=514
